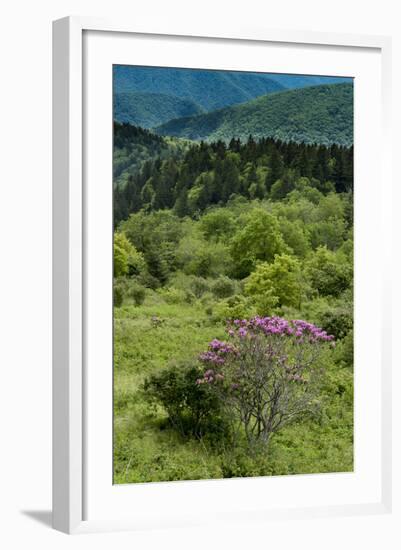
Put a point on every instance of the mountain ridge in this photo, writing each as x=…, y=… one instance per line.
x=315, y=114
x=148, y=109
x=209, y=89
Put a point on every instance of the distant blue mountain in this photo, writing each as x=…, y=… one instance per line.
x=208, y=89
x=291, y=81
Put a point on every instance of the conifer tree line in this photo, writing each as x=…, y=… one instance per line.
x=199, y=175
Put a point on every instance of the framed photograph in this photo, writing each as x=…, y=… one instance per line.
x=220, y=280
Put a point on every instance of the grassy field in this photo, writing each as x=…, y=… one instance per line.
x=147, y=339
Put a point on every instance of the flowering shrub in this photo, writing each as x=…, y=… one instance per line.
x=267, y=374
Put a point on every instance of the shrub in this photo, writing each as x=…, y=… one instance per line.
x=328, y=273
x=238, y=462
x=137, y=293
x=344, y=355
x=190, y=297
x=209, y=311
x=148, y=280
x=217, y=224
x=328, y=233
x=208, y=259
x=278, y=283
x=127, y=259
x=173, y=295
x=295, y=236
x=234, y=307
x=207, y=298
x=198, y=286
x=338, y=321
x=191, y=408
x=118, y=294
x=223, y=287
x=259, y=240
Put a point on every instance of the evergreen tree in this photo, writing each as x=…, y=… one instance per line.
x=276, y=169
x=181, y=208
x=304, y=165
x=230, y=181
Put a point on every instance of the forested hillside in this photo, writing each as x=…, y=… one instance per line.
x=317, y=114
x=134, y=147
x=150, y=109
x=198, y=176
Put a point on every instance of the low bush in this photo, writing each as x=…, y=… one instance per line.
x=137, y=292
x=344, y=353
x=207, y=299
x=172, y=295
x=118, y=293
x=223, y=287
x=337, y=321
x=234, y=307
x=198, y=286
x=148, y=280
x=192, y=409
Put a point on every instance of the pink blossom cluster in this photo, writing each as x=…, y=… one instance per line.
x=298, y=331
x=209, y=377
x=215, y=355
x=280, y=327
x=217, y=352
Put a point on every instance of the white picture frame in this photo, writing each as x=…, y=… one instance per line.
x=70, y=257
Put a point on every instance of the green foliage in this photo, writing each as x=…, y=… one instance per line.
x=259, y=240
x=172, y=295
x=344, y=356
x=197, y=256
x=190, y=407
x=191, y=178
x=338, y=321
x=155, y=235
x=127, y=260
x=319, y=114
x=198, y=286
x=328, y=273
x=118, y=294
x=137, y=292
x=223, y=287
x=283, y=186
x=122, y=249
x=278, y=283
x=217, y=224
x=132, y=148
x=234, y=307
x=295, y=236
